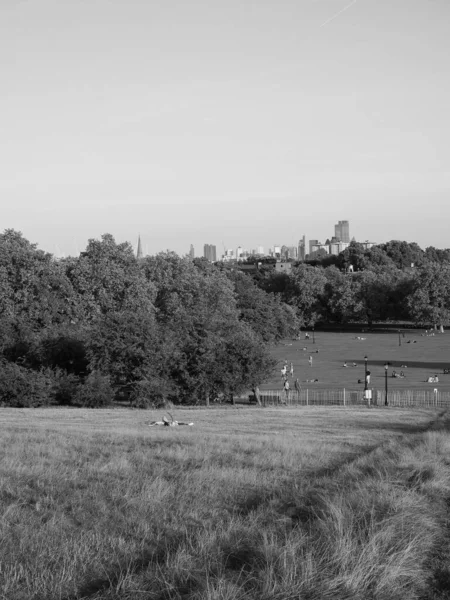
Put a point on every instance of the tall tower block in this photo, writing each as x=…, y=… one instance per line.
x=139, y=253
x=342, y=231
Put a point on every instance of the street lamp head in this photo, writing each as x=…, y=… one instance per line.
x=366, y=359
x=386, y=367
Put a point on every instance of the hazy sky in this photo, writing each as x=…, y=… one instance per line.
x=236, y=121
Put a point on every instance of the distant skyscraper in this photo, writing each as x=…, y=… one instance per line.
x=139, y=253
x=191, y=252
x=342, y=231
x=313, y=245
x=302, y=248
x=209, y=252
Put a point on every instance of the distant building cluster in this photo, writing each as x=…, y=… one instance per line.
x=337, y=244
x=301, y=251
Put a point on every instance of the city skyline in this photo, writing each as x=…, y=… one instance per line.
x=219, y=122
x=143, y=241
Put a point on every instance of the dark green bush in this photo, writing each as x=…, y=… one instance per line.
x=65, y=388
x=148, y=393
x=23, y=387
x=95, y=392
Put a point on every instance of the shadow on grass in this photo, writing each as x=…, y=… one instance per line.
x=406, y=428
x=432, y=365
x=438, y=423
x=118, y=571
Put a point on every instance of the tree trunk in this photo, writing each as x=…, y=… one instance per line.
x=441, y=328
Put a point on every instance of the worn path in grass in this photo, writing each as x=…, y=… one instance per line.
x=423, y=356
x=106, y=507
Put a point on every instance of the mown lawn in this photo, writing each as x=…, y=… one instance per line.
x=424, y=356
x=248, y=503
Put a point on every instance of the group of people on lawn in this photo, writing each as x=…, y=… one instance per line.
x=284, y=377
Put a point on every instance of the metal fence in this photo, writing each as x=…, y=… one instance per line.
x=343, y=397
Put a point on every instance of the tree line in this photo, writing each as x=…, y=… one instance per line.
x=392, y=282
x=87, y=330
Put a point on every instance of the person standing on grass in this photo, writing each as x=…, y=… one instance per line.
x=292, y=370
x=310, y=360
x=286, y=389
x=257, y=395
x=297, y=386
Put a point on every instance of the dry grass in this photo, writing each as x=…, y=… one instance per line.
x=248, y=504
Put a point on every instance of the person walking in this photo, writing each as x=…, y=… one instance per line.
x=310, y=360
x=297, y=386
x=292, y=370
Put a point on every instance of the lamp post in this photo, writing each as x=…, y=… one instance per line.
x=314, y=339
x=386, y=366
x=366, y=387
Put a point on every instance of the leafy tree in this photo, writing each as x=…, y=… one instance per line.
x=377, y=260
x=429, y=302
x=305, y=293
x=264, y=312
x=318, y=255
x=353, y=256
x=242, y=362
x=22, y=387
x=372, y=296
x=437, y=255
x=275, y=283
x=61, y=348
x=34, y=292
x=96, y=391
x=198, y=312
x=403, y=254
x=128, y=346
x=107, y=277
x=341, y=296
x=65, y=387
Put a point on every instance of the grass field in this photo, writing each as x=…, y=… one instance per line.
x=424, y=356
x=250, y=504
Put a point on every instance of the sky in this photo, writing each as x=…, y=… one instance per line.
x=230, y=122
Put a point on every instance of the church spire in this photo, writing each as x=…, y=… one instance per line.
x=139, y=253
